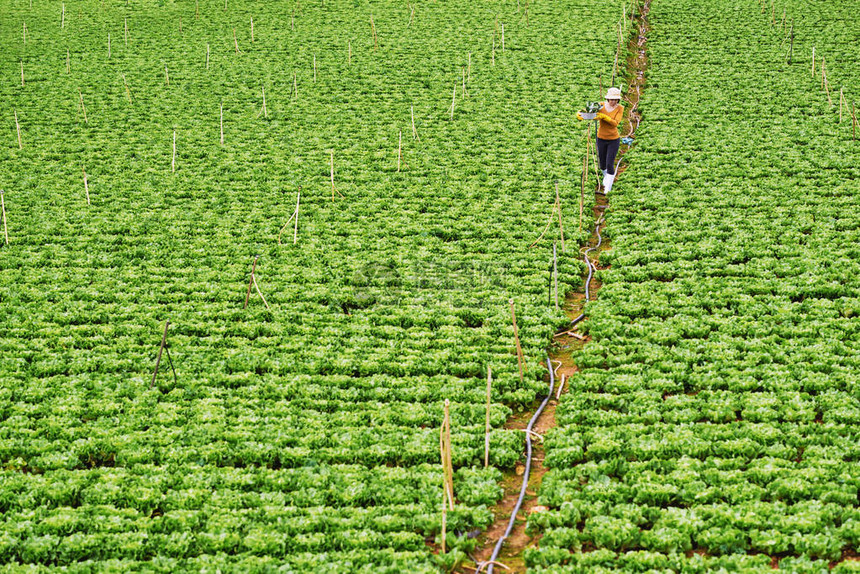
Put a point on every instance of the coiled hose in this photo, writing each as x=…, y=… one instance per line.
x=519, y=504
x=591, y=268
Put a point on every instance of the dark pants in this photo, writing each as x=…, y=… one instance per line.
x=606, y=152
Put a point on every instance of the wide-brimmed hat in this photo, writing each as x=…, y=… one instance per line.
x=613, y=94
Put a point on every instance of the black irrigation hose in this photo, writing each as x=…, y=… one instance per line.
x=591, y=268
x=534, y=418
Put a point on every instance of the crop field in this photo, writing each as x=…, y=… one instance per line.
x=151, y=150
x=336, y=204
x=714, y=423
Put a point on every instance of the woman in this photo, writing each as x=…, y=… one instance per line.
x=608, y=138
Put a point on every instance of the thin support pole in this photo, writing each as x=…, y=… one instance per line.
x=555, y=273
x=207, y=56
x=399, y=149
x=18, y=130
x=160, y=350
x=520, y=359
x=222, y=123
x=453, y=100
x=86, y=185
x=560, y=224
x=487, y=420
x=414, y=131
x=296, y=227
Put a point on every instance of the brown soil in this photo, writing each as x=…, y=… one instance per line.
x=564, y=345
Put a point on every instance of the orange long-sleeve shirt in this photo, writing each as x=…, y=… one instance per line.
x=608, y=129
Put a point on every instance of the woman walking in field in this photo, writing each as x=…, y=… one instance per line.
x=608, y=138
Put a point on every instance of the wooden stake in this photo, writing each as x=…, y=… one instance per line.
x=18, y=129
x=83, y=108
x=196, y=10
x=3, y=207
x=207, y=56
x=265, y=109
x=414, y=131
x=582, y=187
x=520, y=359
x=503, y=37
x=373, y=32
x=444, y=516
x=222, y=122
x=453, y=100
x=399, y=149
x=411, y=16
x=173, y=160
x=63, y=18
x=560, y=224
x=296, y=227
x=251, y=281
x=260, y=293
x=86, y=185
x=487, y=422
x=160, y=350
x=235, y=41
x=252, y=29
x=555, y=274
x=445, y=444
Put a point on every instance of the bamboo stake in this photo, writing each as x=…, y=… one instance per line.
x=225, y=5
x=22, y=73
x=487, y=421
x=235, y=41
x=3, y=207
x=173, y=159
x=63, y=18
x=207, y=56
x=560, y=224
x=772, y=13
x=555, y=273
x=414, y=131
x=166, y=75
x=83, y=108
x=18, y=129
x=399, y=149
x=332, y=174
x=265, y=109
x=260, y=293
x=373, y=31
x=582, y=188
x=196, y=10
x=86, y=185
x=411, y=16
x=296, y=227
x=445, y=444
x=222, y=122
x=444, y=517
x=250, y=281
x=315, y=68
x=252, y=29
x=160, y=350
x=453, y=100
x=503, y=37
x=560, y=388
x=520, y=359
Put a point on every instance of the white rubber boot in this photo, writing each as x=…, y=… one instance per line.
x=608, y=179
